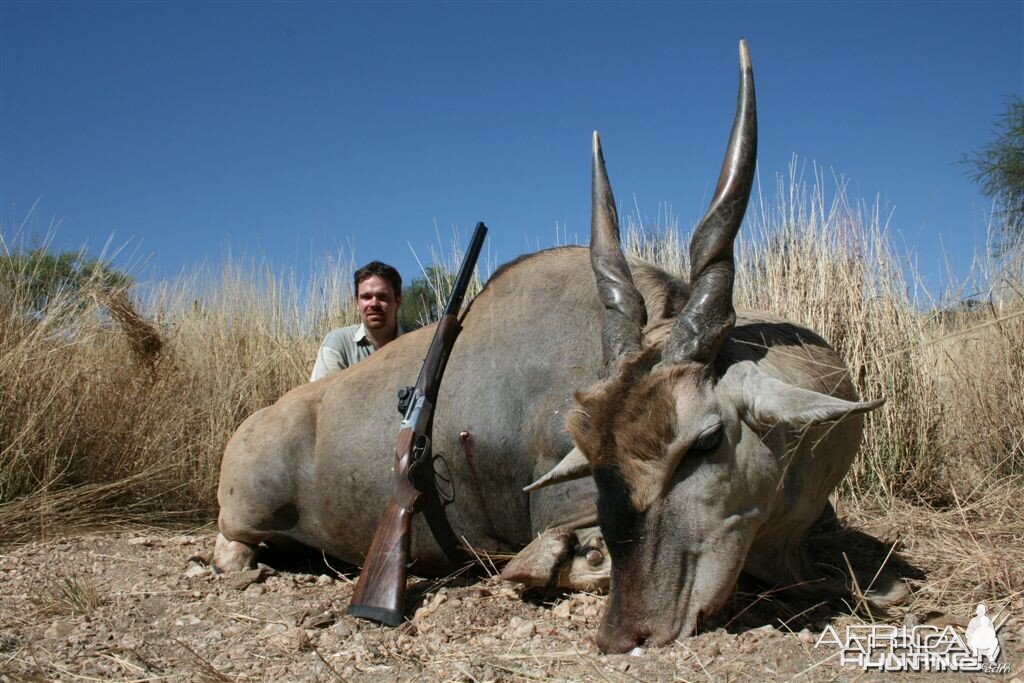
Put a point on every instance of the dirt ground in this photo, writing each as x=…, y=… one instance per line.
x=131, y=605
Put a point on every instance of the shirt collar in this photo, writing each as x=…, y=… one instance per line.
x=360, y=336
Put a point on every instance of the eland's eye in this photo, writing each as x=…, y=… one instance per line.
x=708, y=441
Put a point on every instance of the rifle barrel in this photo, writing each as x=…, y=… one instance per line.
x=466, y=271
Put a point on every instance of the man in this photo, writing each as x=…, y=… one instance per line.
x=378, y=297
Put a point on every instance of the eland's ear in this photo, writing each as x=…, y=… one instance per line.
x=763, y=400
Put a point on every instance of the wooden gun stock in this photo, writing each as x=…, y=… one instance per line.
x=380, y=594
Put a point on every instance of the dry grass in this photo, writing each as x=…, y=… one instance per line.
x=75, y=594
x=119, y=404
x=967, y=553
x=119, y=407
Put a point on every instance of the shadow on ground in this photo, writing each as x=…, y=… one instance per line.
x=876, y=566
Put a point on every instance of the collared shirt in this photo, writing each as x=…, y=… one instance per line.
x=342, y=348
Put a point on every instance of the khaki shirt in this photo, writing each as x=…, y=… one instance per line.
x=343, y=348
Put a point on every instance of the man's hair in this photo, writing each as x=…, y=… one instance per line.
x=381, y=270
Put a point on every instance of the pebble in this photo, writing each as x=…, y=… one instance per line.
x=245, y=579
x=322, y=620
x=431, y=607
x=525, y=630
x=59, y=629
x=197, y=570
x=273, y=628
x=293, y=640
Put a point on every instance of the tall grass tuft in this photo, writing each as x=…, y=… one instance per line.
x=118, y=403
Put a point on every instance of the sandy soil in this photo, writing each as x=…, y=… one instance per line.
x=132, y=606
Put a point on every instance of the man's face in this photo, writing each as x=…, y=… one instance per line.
x=377, y=303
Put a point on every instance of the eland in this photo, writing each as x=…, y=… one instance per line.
x=671, y=442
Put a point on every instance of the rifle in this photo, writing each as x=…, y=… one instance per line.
x=380, y=593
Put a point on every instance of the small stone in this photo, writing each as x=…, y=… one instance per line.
x=242, y=580
x=324, y=580
x=293, y=640
x=59, y=629
x=197, y=570
x=636, y=652
x=256, y=589
x=322, y=620
x=525, y=630
x=431, y=607
x=562, y=610
x=130, y=642
x=274, y=629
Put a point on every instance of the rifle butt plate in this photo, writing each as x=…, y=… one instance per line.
x=381, y=615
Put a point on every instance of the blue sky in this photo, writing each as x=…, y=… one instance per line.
x=289, y=129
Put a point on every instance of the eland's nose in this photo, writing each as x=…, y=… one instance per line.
x=616, y=640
